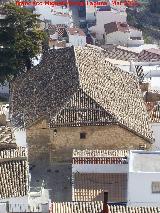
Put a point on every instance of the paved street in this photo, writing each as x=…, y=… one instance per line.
x=57, y=180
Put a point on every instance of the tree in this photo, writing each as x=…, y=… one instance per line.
x=20, y=40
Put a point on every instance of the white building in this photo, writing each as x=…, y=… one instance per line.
x=36, y=201
x=119, y=33
x=105, y=17
x=130, y=177
x=110, y=6
x=61, y=18
x=57, y=15
x=144, y=179
x=139, y=49
x=155, y=126
x=96, y=171
x=106, y=161
x=20, y=136
x=154, y=113
x=16, y=195
x=76, y=37
x=90, y=13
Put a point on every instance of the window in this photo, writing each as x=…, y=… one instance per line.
x=55, y=131
x=155, y=187
x=82, y=135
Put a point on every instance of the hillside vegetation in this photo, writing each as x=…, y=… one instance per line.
x=147, y=18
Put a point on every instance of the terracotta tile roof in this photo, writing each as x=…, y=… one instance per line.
x=155, y=51
x=100, y=153
x=119, y=54
x=149, y=55
x=99, y=156
x=77, y=207
x=150, y=106
x=91, y=187
x=116, y=26
x=13, y=173
x=152, y=96
x=144, y=86
x=96, y=82
x=75, y=31
x=77, y=81
x=60, y=14
x=97, y=207
x=154, y=111
x=130, y=209
x=7, y=139
x=91, y=113
x=59, y=28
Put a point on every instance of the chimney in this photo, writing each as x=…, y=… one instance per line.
x=105, y=203
x=132, y=67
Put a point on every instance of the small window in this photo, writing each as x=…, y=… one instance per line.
x=55, y=131
x=155, y=187
x=82, y=135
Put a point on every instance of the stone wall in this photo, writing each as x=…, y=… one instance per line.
x=64, y=139
x=38, y=138
x=3, y=120
x=55, y=145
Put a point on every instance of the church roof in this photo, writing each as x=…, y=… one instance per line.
x=78, y=86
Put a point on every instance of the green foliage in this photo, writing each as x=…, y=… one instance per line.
x=147, y=39
x=20, y=40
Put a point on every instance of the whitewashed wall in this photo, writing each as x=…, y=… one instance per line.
x=20, y=135
x=135, y=32
x=47, y=13
x=90, y=13
x=135, y=43
x=122, y=38
x=105, y=17
x=119, y=38
x=16, y=202
x=3, y=208
x=156, y=134
x=77, y=40
x=60, y=19
x=27, y=203
x=100, y=168
x=140, y=190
